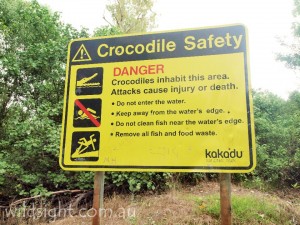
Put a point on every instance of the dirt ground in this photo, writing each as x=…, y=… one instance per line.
x=175, y=207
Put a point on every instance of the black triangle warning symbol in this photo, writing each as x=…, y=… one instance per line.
x=82, y=55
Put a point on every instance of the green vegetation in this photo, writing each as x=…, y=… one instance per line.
x=277, y=138
x=137, y=182
x=248, y=209
x=32, y=52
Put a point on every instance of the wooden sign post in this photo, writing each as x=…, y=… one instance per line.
x=225, y=198
x=98, y=197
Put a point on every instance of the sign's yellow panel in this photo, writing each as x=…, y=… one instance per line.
x=175, y=101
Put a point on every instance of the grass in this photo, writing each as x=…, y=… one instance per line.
x=250, y=209
x=257, y=184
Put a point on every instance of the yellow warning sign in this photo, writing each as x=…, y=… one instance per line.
x=178, y=101
x=82, y=55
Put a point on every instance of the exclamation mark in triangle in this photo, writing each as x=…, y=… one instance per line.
x=81, y=55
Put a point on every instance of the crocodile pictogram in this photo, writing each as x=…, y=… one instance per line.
x=84, y=82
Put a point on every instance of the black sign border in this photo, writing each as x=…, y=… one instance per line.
x=237, y=28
